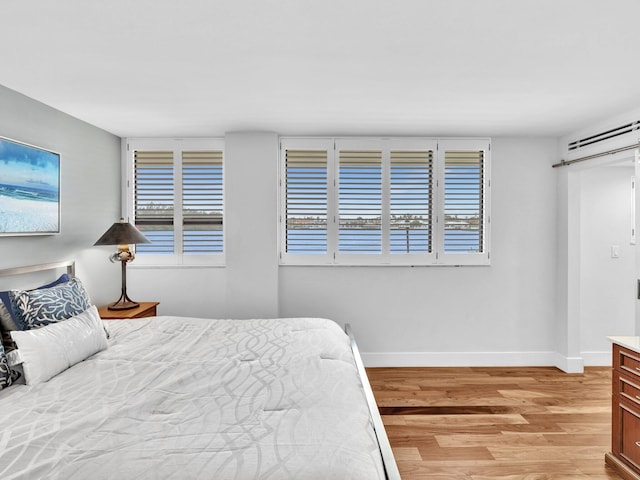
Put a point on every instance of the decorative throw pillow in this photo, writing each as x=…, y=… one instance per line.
x=37, y=308
x=8, y=321
x=5, y=372
x=52, y=349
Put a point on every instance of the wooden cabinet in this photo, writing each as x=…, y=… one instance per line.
x=146, y=309
x=625, y=418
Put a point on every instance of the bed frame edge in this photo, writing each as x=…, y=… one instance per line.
x=388, y=460
x=69, y=264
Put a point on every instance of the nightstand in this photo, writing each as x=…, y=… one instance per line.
x=146, y=309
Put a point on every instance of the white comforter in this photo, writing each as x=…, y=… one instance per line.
x=183, y=398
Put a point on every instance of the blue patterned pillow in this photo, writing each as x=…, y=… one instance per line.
x=37, y=308
x=5, y=372
x=8, y=317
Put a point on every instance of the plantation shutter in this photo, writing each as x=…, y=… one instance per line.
x=306, y=201
x=464, y=201
x=360, y=201
x=154, y=200
x=202, y=202
x=410, y=201
x=385, y=201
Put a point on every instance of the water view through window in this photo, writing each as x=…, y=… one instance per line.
x=199, y=205
x=360, y=201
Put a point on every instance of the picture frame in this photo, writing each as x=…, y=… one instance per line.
x=29, y=189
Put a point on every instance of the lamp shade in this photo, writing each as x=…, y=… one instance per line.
x=122, y=233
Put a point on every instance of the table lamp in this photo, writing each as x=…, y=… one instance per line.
x=122, y=234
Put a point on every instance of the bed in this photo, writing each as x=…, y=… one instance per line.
x=187, y=398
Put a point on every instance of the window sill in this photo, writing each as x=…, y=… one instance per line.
x=384, y=265
x=150, y=266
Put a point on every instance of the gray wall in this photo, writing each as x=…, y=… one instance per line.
x=90, y=191
x=607, y=284
x=506, y=313
x=498, y=314
x=501, y=314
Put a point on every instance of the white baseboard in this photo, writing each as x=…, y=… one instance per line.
x=597, y=359
x=458, y=359
x=486, y=359
x=569, y=364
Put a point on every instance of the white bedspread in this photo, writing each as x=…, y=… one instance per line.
x=183, y=398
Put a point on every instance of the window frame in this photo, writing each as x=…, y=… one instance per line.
x=460, y=259
x=437, y=256
x=177, y=145
x=308, y=144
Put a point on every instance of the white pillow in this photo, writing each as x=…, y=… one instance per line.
x=51, y=349
x=14, y=357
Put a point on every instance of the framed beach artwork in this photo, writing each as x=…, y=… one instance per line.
x=29, y=189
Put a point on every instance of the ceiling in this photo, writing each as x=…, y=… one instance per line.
x=326, y=67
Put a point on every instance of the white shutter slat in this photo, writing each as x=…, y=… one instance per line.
x=202, y=202
x=154, y=200
x=411, y=196
x=306, y=201
x=360, y=201
x=463, y=201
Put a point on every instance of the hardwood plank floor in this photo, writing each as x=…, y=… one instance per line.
x=472, y=423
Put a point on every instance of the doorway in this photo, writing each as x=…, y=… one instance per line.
x=606, y=255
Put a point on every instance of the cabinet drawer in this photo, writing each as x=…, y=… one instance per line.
x=152, y=313
x=145, y=309
x=630, y=438
x=627, y=388
x=626, y=361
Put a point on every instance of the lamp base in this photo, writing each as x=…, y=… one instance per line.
x=124, y=302
x=123, y=305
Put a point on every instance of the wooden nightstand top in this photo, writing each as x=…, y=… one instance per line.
x=146, y=309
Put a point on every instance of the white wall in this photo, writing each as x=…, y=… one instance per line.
x=247, y=286
x=90, y=186
x=251, y=211
x=567, y=324
x=501, y=314
x=587, y=309
x=607, y=285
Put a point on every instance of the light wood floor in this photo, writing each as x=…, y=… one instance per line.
x=496, y=423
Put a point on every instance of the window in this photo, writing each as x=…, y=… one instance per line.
x=176, y=199
x=410, y=201
x=360, y=202
x=202, y=202
x=397, y=201
x=306, y=201
x=154, y=199
x=465, y=200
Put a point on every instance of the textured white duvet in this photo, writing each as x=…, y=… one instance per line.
x=182, y=398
